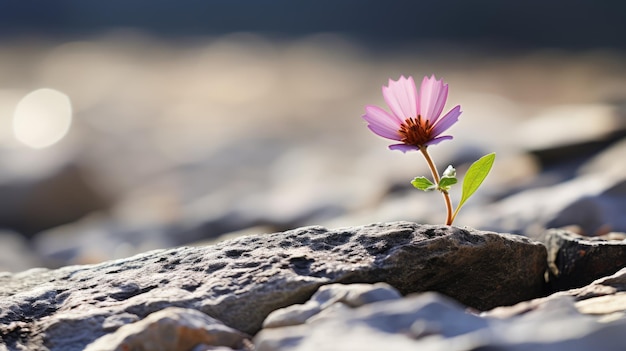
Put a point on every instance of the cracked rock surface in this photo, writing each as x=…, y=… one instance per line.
x=241, y=281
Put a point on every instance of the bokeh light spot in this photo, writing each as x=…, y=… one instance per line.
x=42, y=118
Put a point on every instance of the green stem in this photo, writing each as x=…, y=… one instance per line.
x=446, y=196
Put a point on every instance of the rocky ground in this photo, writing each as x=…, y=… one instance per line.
x=199, y=149
x=397, y=285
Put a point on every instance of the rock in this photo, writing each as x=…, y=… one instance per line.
x=553, y=144
x=590, y=195
x=612, y=307
x=592, y=202
x=607, y=161
x=45, y=192
x=433, y=322
x=377, y=326
x=604, y=298
x=241, y=281
x=97, y=238
x=15, y=253
x=352, y=295
x=575, y=261
x=204, y=347
x=595, y=213
x=171, y=329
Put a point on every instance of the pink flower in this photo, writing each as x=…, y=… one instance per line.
x=415, y=117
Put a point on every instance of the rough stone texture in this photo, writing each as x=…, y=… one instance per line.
x=241, y=281
x=353, y=295
x=575, y=260
x=171, y=329
x=433, y=322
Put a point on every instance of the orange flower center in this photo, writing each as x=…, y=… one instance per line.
x=415, y=131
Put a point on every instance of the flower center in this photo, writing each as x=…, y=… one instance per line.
x=415, y=131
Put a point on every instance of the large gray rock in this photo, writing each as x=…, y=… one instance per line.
x=241, y=281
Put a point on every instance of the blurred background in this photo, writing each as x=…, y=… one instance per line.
x=130, y=126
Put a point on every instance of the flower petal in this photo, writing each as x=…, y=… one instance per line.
x=401, y=96
x=381, y=122
x=433, y=96
x=381, y=131
x=403, y=147
x=447, y=121
x=437, y=140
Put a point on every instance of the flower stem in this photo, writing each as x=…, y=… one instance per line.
x=446, y=196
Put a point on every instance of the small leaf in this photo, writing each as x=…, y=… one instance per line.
x=422, y=183
x=474, y=177
x=446, y=182
x=447, y=179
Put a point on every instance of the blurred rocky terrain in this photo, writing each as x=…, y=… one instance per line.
x=175, y=142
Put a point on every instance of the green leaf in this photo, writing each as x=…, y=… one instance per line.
x=447, y=179
x=422, y=183
x=446, y=182
x=474, y=177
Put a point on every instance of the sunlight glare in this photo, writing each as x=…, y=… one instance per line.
x=42, y=118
